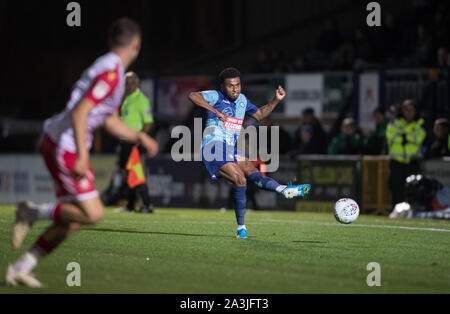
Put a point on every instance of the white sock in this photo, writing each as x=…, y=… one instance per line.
x=242, y=227
x=281, y=188
x=45, y=211
x=26, y=263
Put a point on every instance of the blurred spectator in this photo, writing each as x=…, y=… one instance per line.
x=442, y=57
x=441, y=28
x=422, y=8
x=375, y=141
x=423, y=46
x=305, y=144
x=299, y=64
x=262, y=62
x=330, y=38
x=364, y=50
x=349, y=142
x=405, y=136
x=441, y=146
x=344, y=57
x=310, y=138
x=394, y=111
x=390, y=39
x=278, y=62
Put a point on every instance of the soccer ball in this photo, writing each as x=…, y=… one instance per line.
x=346, y=211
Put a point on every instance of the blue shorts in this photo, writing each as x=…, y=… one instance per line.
x=217, y=154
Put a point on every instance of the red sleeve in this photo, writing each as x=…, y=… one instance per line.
x=103, y=86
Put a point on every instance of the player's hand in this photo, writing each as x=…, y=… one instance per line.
x=280, y=93
x=149, y=144
x=222, y=117
x=80, y=169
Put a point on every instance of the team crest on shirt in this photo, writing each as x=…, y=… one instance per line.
x=112, y=76
x=228, y=111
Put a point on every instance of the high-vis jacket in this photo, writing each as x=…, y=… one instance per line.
x=405, y=139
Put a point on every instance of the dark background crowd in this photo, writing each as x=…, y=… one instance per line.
x=421, y=39
x=44, y=57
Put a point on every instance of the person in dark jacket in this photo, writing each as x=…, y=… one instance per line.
x=441, y=146
x=310, y=138
x=375, y=140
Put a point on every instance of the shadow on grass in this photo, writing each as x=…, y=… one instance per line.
x=154, y=232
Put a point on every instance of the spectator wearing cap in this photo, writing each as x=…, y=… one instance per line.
x=310, y=138
x=349, y=142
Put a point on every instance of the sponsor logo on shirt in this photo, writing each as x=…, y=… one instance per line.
x=233, y=124
x=112, y=76
x=100, y=90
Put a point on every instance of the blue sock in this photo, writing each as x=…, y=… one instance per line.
x=240, y=203
x=265, y=183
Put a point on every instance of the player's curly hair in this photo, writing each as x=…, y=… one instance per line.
x=122, y=32
x=229, y=73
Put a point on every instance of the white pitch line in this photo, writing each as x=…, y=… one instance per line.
x=357, y=225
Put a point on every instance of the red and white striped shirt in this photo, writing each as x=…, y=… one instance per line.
x=104, y=84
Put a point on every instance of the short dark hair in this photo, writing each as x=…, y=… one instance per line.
x=443, y=122
x=229, y=73
x=122, y=32
x=380, y=110
x=308, y=110
x=410, y=102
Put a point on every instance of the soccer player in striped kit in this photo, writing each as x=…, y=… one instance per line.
x=94, y=103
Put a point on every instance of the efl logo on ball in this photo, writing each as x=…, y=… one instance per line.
x=346, y=211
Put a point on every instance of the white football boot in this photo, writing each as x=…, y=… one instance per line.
x=292, y=191
x=15, y=278
x=402, y=210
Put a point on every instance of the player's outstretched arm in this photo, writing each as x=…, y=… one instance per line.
x=117, y=128
x=199, y=100
x=265, y=111
x=79, y=124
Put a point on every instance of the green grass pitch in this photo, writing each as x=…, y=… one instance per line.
x=190, y=251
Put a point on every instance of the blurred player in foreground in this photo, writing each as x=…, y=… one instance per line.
x=94, y=103
x=226, y=111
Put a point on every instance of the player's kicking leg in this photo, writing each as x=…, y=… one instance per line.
x=234, y=174
x=288, y=191
x=68, y=219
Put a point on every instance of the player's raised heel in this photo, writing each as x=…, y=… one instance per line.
x=14, y=279
x=242, y=234
x=25, y=217
x=304, y=189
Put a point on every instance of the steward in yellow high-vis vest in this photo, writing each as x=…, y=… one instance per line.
x=405, y=139
x=135, y=112
x=405, y=136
